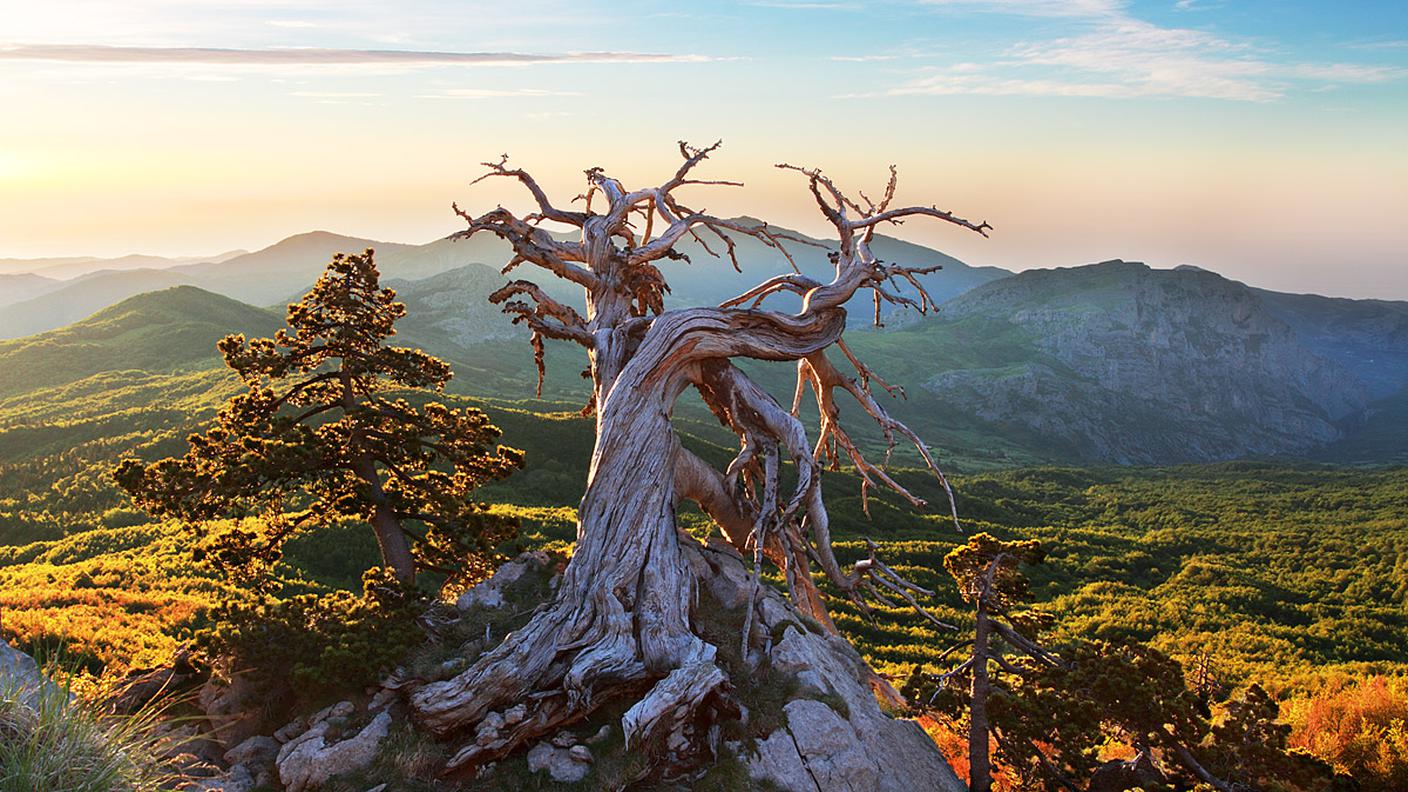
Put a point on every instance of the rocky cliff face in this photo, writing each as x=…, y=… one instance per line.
x=1135, y=365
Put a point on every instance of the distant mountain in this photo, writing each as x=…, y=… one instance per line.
x=157, y=332
x=453, y=309
x=1111, y=362
x=291, y=265
x=1379, y=436
x=1368, y=337
x=707, y=278
x=1124, y=363
x=80, y=297
x=72, y=266
x=23, y=286
x=282, y=271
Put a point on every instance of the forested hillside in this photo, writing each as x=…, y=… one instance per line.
x=1196, y=558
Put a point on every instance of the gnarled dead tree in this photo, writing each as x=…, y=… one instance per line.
x=621, y=621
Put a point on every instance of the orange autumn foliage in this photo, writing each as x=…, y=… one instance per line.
x=1360, y=727
x=954, y=746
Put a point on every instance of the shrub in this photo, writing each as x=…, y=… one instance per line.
x=319, y=645
x=1361, y=729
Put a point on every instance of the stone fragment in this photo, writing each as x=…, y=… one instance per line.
x=559, y=763
x=309, y=760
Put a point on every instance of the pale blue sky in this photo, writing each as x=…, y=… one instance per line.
x=1267, y=141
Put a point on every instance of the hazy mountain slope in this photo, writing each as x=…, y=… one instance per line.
x=287, y=268
x=1379, y=436
x=270, y=275
x=453, y=308
x=155, y=332
x=81, y=297
x=73, y=266
x=416, y=262
x=24, y=286
x=1124, y=363
x=1368, y=337
x=1113, y=362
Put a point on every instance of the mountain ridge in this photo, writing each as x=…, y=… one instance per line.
x=159, y=332
x=1131, y=364
x=1108, y=362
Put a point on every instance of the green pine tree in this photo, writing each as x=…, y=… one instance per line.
x=326, y=430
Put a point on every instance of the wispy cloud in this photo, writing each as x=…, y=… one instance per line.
x=862, y=58
x=301, y=24
x=1387, y=44
x=806, y=5
x=493, y=93
x=334, y=94
x=97, y=53
x=1037, y=8
x=1124, y=57
x=1345, y=72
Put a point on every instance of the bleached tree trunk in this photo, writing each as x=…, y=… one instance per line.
x=622, y=619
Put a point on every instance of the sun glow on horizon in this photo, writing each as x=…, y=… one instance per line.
x=194, y=128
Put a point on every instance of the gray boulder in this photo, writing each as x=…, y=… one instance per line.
x=311, y=759
x=490, y=593
x=564, y=766
x=20, y=675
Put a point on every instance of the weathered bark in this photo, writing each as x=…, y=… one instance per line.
x=622, y=619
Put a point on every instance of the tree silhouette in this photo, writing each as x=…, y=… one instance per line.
x=320, y=434
x=1044, y=715
x=989, y=577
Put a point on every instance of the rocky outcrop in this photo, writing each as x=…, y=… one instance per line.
x=834, y=735
x=141, y=687
x=491, y=593
x=831, y=734
x=566, y=765
x=1118, y=775
x=235, y=710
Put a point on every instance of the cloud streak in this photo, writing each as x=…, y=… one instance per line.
x=1032, y=8
x=1123, y=57
x=314, y=56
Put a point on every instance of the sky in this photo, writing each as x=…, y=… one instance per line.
x=1267, y=141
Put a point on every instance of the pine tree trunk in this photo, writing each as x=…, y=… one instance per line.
x=395, y=549
x=390, y=536
x=979, y=762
